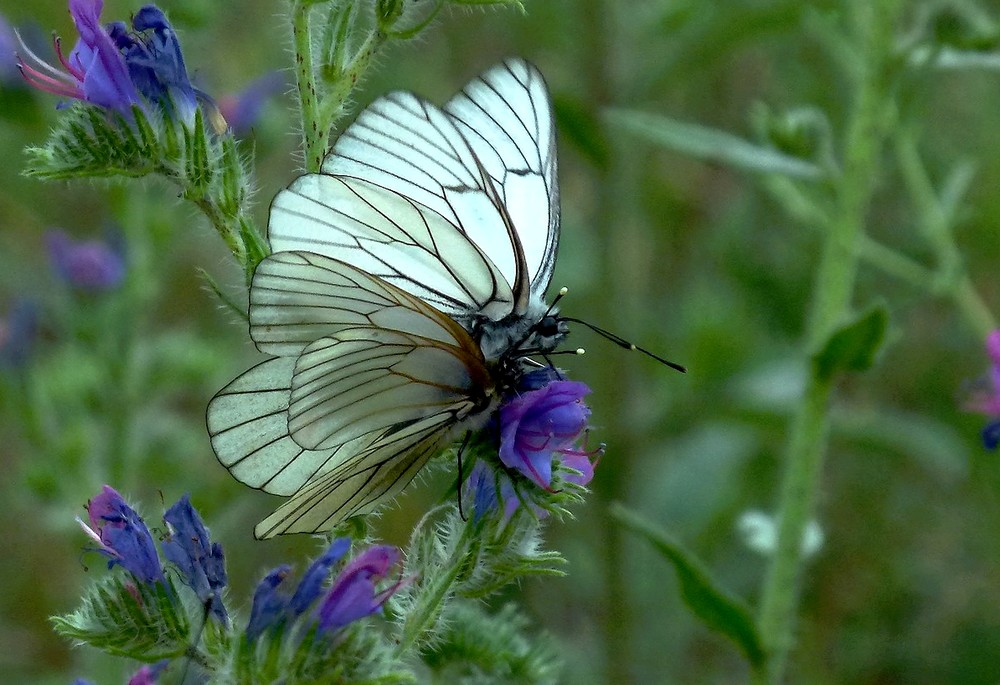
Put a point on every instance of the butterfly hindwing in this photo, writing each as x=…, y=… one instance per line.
x=361, y=484
x=390, y=377
x=248, y=427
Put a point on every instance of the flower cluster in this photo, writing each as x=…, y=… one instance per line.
x=987, y=401
x=116, y=66
x=353, y=594
x=123, y=537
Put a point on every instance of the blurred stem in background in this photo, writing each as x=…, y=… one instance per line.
x=870, y=120
x=614, y=190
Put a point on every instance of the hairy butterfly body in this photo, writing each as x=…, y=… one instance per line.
x=403, y=296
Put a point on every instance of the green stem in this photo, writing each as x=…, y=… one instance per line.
x=936, y=224
x=832, y=299
x=422, y=617
x=343, y=80
x=315, y=133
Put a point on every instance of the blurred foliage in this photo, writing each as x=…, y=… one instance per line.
x=690, y=258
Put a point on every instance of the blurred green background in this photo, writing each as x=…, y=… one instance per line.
x=691, y=259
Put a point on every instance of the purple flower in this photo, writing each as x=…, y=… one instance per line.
x=241, y=110
x=201, y=563
x=490, y=491
x=8, y=54
x=18, y=333
x=116, y=67
x=95, y=70
x=155, y=63
x=90, y=266
x=542, y=425
x=271, y=607
x=122, y=536
x=148, y=674
x=987, y=400
x=354, y=594
x=269, y=604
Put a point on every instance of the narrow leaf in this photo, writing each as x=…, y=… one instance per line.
x=712, y=144
x=716, y=608
x=855, y=345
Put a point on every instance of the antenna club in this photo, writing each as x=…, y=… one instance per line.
x=580, y=351
x=563, y=290
x=632, y=347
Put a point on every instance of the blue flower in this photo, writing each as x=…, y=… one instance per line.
x=354, y=594
x=269, y=606
x=155, y=63
x=490, y=491
x=272, y=607
x=122, y=536
x=8, y=54
x=95, y=70
x=18, y=333
x=542, y=425
x=90, y=266
x=201, y=562
x=117, y=66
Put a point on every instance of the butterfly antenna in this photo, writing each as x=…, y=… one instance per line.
x=623, y=343
x=562, y=293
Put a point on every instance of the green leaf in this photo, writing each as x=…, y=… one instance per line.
x=855, y=345
x=716, y=608
x=129, y=619
x=711, y=144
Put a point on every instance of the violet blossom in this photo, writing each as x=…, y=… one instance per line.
x=987, y=400
x=90, y=266
x=543, y=425
x=122, y=536
x=199, y=560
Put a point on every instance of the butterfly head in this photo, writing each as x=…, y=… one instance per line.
x=538, y=330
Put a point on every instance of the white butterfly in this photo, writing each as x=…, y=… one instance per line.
x=403, y=296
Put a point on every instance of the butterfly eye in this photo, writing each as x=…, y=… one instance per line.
x=549, y=327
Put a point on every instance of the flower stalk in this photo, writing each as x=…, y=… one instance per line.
x=868, y=127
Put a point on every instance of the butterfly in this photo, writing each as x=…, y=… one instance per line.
x=404, y=295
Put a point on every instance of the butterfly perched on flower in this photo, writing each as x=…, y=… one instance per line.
x=402, y=300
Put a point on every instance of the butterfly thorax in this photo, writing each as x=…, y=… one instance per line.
x=536, y=331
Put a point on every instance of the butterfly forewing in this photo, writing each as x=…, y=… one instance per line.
x=506, y=116
x=390, y=372
x=392, y=237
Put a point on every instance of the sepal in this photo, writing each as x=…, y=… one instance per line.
x=125, y=618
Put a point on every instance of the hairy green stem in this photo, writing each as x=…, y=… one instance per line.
x=832, y=300
x=315, y=134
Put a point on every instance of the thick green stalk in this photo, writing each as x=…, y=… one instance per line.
x=831, y=304
x=315, y=133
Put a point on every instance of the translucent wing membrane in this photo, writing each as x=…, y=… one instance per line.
x=248, y=426
x=506, y=116
x=371, y=380
x=362, y=483
x=362, y=380
x=392, y=237
x=486, y=165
